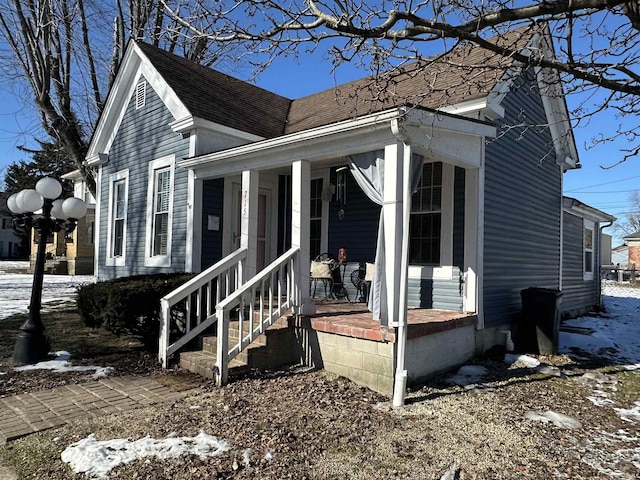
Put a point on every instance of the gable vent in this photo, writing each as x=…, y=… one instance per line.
x=141, y=93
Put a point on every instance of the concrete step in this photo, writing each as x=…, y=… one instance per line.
x=272, y=349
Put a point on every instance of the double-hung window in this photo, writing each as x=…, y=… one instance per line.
x=315, y=222
x=588, y=241
x=159, y=212
x=117, y=227
x=426, y=217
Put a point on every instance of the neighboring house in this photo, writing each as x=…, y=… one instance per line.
x=202, y=172
x=620, y=256
x=581, y=257
x=9, y=241
x=70, y=253
x=606, y=249
x=633, y=250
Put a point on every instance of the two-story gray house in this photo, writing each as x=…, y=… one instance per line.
x=448, y=181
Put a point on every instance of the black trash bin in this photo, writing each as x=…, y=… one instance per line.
x=539, y=327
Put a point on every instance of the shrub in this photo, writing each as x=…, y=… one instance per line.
x=128, y=305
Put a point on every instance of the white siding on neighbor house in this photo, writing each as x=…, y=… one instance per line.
x=523, y=201
x=144, y=136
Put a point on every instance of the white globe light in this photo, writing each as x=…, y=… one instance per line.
x=29, y=200
x=49, y=187
x=74, y=208
x=56, y=210
x=12, y=204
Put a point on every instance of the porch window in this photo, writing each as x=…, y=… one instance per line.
x=159, y=202
x=116, y=234
x=426, y=217
x=316, y=218
x=588, y=249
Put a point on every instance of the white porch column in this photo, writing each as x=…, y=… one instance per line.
x=300, y=231
x=397, y=164
x=396, y=214
x=473, y=240
x=249, y=222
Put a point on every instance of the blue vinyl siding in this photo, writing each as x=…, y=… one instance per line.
x=144, y=135
x=212, y=203
x=578, y=295
x=522, y=207
x=358, y=230
x=458, y=217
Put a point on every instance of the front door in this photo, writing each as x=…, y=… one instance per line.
x=264, y=223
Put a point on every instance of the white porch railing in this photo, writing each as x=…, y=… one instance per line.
x=259, y=302
x=190, y=309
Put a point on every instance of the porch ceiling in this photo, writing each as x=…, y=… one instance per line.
x=435, y=135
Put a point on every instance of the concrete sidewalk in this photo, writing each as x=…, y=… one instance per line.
x=28, y=413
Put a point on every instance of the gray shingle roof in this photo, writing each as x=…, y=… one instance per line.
x=466, y=73
x=220, y=98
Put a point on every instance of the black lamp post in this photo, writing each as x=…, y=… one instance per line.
x=38, y=208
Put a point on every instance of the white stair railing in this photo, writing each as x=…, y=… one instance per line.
x=258, y=303
x=189, y=310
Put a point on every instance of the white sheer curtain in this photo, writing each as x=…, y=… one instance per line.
x=368, y=170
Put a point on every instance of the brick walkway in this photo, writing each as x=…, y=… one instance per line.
x=28, y=413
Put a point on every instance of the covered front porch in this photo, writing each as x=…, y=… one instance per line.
x=389, y=149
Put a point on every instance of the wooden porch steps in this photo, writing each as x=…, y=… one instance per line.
x=270, y=350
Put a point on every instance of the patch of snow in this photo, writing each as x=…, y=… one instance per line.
x=15, y=291
x=526, y=360
x=13, y=265
x=450, y=474
x=630, y=415
x=616, y=334
x=611, y=455
x=550, y=370
x=3, y=373
x=600, y=398
x=103, y=372
x=246, y=457
x=558, y=419
x=268, y=456
x=97, y=457
x=467, y=374
x=61, y=364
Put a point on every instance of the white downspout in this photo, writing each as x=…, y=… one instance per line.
x=400, y=380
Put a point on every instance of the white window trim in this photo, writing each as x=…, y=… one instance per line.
x=589, y=225
x=110, y=260
x=149, y=259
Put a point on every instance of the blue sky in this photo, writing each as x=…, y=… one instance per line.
x=606, y=189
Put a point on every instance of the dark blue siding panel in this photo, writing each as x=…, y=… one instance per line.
x=578, y=295
x=522, y=207
x=212, y=200
x=458, y=217
x=358, y=230
x=284, y=213
x=144, y=135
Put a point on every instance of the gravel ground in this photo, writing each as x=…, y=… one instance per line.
x=302, y=424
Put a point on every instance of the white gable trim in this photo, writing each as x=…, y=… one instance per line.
x=134, y=66
x=553, y=100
